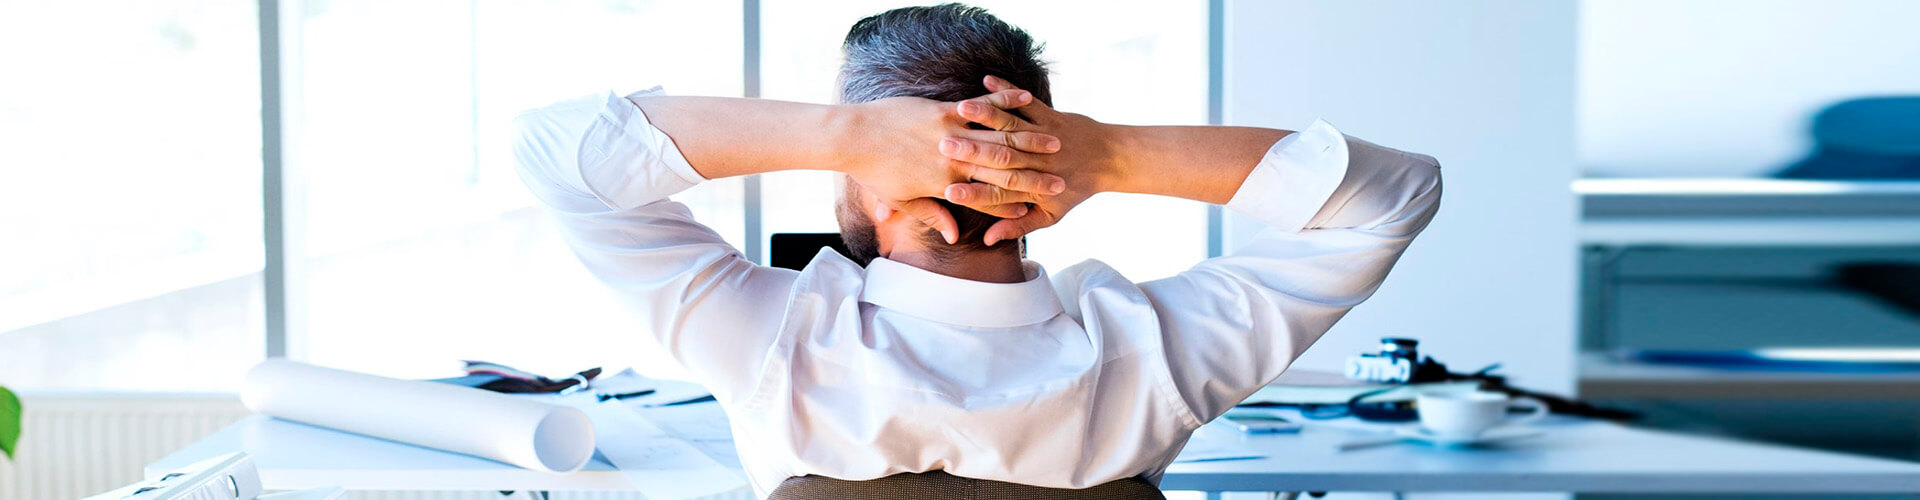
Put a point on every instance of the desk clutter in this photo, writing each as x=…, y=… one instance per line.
x=520, y=431
x=657, y=432
x=1395, y=395
x=232, y=476
x=664, y=436
x=670, y=442
x=675, y=443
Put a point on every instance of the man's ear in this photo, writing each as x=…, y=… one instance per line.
x=884, y=219
x=877, y=209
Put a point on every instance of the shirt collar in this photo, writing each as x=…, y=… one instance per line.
x=946, y=299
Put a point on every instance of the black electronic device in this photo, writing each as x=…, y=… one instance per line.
x=795, y=250
x=1398, y=363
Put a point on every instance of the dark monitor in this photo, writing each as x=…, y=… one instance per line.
x=795, y=250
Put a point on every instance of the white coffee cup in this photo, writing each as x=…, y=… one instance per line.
x=1466, y=414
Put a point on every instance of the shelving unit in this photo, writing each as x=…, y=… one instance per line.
x=1623, y=216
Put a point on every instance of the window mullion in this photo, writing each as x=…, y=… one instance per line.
x=750, y=87
x=283, y=197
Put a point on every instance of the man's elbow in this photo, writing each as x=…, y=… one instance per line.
x=1425, y=203
x=1426, y=171
x=1415, y=196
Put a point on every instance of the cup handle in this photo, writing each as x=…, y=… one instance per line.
x=1539, y=410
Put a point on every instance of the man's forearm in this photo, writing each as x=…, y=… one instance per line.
x=726, y=137
x=1204, y=163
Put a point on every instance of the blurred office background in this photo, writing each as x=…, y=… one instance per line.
x=1682, y=175
x=1750, y=171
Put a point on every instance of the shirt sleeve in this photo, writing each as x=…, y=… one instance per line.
x=604, y=173
x=1340, y=211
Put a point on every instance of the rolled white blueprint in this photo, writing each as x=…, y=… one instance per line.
x=517, y=431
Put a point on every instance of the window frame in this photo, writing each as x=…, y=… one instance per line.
x=282, y=195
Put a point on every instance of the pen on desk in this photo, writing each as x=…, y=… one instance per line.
x=624, y=395
x=701, y=399
x=1367, y=443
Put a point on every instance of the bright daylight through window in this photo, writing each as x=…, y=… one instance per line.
x=423, y=247
x=130, y=232
x=136, y=264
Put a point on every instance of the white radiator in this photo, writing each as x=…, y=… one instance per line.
x=79, y=444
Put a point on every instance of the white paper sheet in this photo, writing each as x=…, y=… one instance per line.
x=661, y=464
x=1215, y=441
x=1209, y=451
x=517, y=431
x=703, y=425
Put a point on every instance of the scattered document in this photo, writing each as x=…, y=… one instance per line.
x=669, y=446
x=704, y=426
x=1211, y=451
x=1216, y=441
x=661, y=467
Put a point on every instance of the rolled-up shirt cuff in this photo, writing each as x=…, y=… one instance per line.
x=671, y=155
x=627, y=162
x=1295, y=178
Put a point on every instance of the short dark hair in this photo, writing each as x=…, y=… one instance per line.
x=940, y=52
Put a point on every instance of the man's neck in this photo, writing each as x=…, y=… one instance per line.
x=990, y=267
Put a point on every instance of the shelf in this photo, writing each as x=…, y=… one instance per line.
x=1604, y=377
x=1608, y=198
x=1748, y=212
x=1753, y=232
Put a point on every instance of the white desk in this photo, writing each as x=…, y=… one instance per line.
x=1575, y=456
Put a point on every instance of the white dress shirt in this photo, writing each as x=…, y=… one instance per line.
x=1067, y=380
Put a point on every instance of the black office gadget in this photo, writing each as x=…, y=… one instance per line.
x=1397, y=362
x=603, y=397
x=795, y=250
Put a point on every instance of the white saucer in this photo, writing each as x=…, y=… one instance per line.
x=1506, y=433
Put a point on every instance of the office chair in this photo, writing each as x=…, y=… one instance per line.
x=939, y=485
x=1875, y=138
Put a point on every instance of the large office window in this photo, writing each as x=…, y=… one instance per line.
x=131, y=242
x=423, y=247
x=1134, y=61
x=129, y=194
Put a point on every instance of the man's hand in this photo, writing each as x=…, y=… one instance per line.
x=1086, y=159
x=889, y=147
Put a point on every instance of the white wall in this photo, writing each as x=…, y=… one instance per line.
x=1486, y=86
x=1705, y=88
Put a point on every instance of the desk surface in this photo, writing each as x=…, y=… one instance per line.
x=1574, y=456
